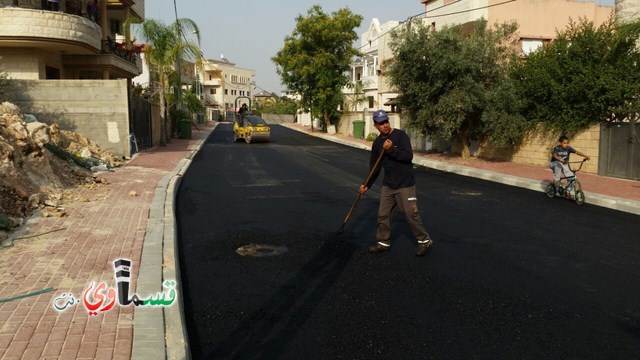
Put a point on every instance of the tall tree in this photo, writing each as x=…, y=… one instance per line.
x=166, y=45
x=279, y=105
x=587, y=75
x=316, y=57
x=446, y=77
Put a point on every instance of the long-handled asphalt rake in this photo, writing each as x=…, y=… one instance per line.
x=355, y=202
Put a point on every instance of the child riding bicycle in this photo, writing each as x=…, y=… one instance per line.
x=560, y=160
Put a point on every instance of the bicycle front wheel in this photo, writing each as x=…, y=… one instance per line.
x=550, y=191
x=578, y=194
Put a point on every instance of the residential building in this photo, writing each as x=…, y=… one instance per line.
x=223, y=83
x=76, y=67
x=264, y=97
x=69, y=39
x=290, y=94
x=365, y=91
x=538, y=20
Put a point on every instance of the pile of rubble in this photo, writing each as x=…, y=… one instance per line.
x=31, y=175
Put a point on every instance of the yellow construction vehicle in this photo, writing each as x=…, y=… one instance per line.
x=249, y=127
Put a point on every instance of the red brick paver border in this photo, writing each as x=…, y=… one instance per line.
x=110, y=225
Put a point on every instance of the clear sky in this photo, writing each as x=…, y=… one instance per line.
x=250, y=32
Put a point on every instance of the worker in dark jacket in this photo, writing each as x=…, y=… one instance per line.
x=398, y=185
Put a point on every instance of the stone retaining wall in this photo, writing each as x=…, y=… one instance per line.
x=97, y=109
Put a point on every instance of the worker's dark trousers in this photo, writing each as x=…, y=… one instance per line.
x=405, y=199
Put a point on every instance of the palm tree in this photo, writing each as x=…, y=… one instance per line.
x=166, y=46
x=193, y=103
x=357, y=97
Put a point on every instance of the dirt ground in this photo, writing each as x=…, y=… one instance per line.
x=32, y=176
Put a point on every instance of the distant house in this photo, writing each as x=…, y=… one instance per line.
x=367, y=90
x=264, y=97
x=224, y=83
x=290, y=94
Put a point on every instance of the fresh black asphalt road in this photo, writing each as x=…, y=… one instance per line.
x=512, y=274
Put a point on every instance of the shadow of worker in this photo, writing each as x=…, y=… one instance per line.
x=268, y=330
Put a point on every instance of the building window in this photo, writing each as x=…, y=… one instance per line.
x=530, y=45
x=210, y=77
x=370, y=101
x=52, y=73
x=226, y=91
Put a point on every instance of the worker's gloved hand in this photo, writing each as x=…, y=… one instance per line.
x=363, y=189
x=387, y=144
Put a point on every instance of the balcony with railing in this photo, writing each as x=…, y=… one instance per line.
x=130, y=53
x=23, y=25
x=212, y=82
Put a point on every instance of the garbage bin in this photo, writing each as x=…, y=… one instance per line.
x=185, y=129
x=358, y=129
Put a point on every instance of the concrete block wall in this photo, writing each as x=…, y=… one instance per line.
x=278, y=118
x=97, y=109
x=536, y=146
x=20, y=63
x=346, y=123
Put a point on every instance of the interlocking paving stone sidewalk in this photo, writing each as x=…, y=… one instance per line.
x=111, y=225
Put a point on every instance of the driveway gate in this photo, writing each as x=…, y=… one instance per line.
x=140, y=122
x=620, y=151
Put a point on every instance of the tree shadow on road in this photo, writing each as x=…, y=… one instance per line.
x=267, y=331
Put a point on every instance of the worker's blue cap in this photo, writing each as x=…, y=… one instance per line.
x=380, y=116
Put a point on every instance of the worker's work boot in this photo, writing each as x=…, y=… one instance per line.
x=380, y=247
x=423, y=247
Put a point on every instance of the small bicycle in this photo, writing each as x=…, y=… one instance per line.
x=572, y=190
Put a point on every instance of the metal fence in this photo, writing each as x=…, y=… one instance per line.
x=140, y=124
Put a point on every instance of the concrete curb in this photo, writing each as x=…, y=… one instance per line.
x=161, y=333
x=607, y=201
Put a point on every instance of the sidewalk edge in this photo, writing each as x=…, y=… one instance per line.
x=163, y=334
x=607, y=201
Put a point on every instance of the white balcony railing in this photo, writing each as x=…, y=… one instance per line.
x=212, y=82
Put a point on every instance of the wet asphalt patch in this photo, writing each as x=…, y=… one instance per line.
x=261, y=250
